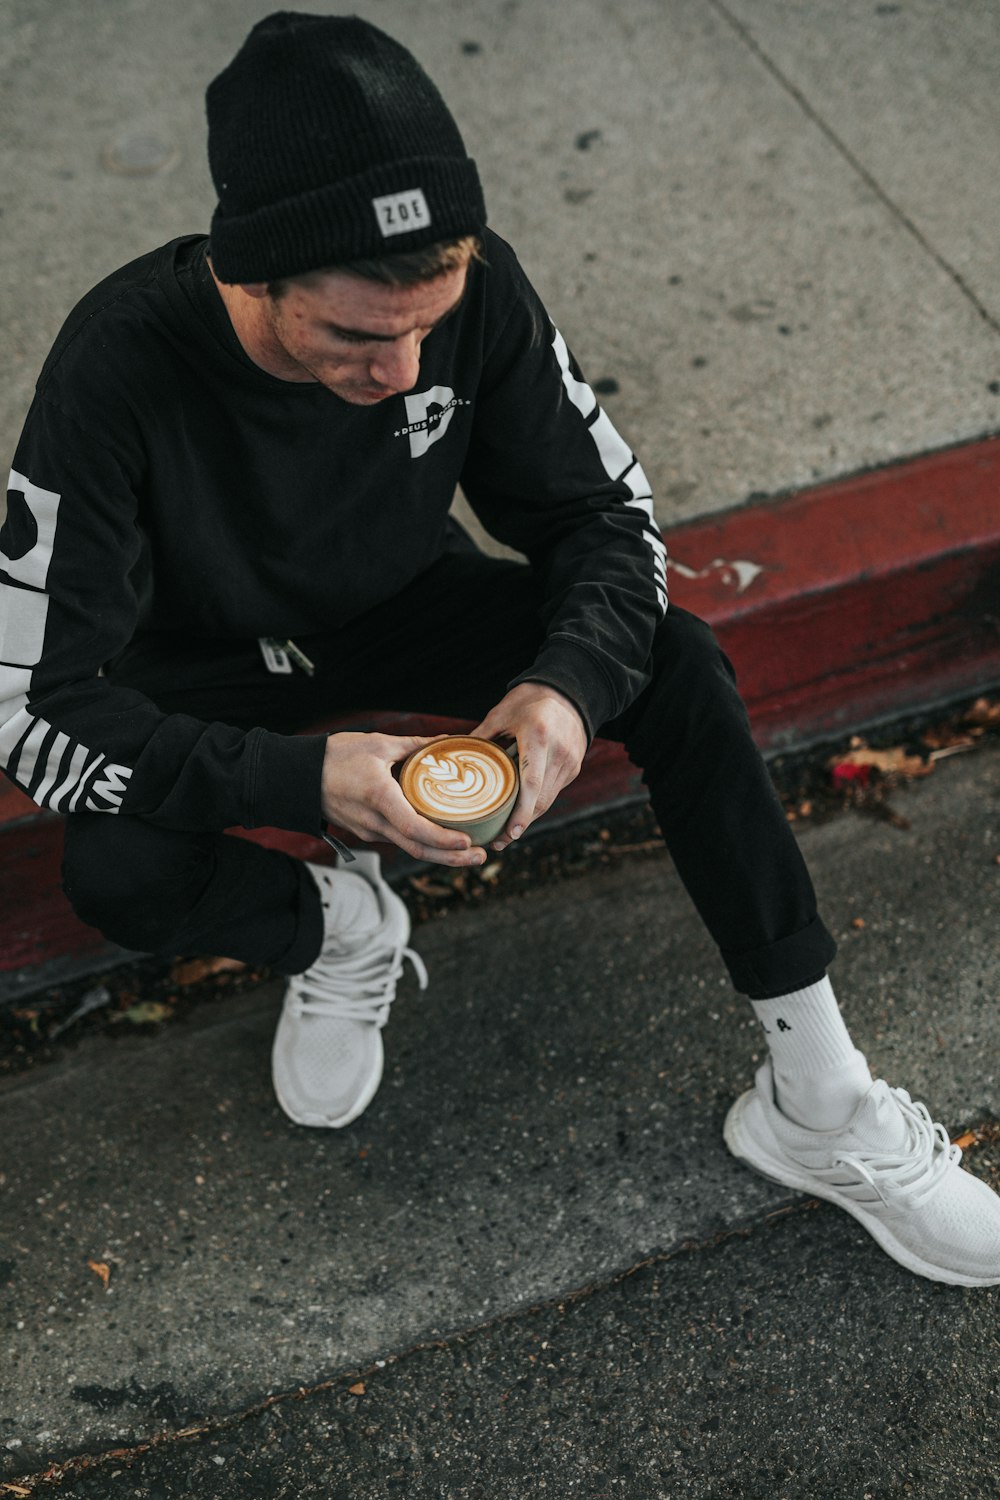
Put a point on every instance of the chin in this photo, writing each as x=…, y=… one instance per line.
x=360, y=395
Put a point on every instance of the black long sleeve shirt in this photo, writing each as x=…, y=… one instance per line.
x=163, y=481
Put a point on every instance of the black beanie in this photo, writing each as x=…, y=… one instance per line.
x=328, y=143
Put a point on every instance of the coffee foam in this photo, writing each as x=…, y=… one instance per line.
x=460, y=777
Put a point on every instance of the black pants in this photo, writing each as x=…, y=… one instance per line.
x=449, y=644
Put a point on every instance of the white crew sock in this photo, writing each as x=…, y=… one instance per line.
x=820, y=1077
x=351, y=910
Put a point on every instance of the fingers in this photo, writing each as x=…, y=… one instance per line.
x=544, y=771
x=421, y=838
x=396, y=747
x=487, y=730
x=532, y=800
x=360, y=794
x=462, y=857
x=431, y=854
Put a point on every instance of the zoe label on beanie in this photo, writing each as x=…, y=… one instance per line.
x=400, y=213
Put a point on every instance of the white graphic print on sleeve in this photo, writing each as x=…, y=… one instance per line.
x=23, y=613
x=620, y=463
x=29, y=531
x=53, y=769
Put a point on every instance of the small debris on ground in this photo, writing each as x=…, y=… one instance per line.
x=981, y=1145
x=131, y=1000
x=862, y=757
x=865, y=775
x=94, y=999
x=102, y=1269
x=145, y=1012
x=194, y=970
x=814, y=786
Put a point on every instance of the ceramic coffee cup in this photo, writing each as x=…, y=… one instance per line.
x=464, y=783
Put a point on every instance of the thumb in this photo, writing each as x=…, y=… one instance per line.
x=405, y=744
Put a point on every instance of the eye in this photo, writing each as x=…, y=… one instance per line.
x=348, y=338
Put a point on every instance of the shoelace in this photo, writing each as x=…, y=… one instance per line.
x=907, y=1179
x=361, y=987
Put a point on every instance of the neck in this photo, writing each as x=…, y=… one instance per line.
x=248, y=315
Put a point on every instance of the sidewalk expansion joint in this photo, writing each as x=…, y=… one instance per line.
x=841, y=146
x=353, y=1382
x=55, y=1473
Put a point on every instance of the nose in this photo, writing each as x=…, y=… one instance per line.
x=397, y=365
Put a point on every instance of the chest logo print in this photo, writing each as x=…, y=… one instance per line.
x=428, y=417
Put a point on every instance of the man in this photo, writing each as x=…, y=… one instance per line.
x=229, y=517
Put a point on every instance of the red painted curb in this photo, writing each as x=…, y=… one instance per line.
x=852, y=602
x=858, y=600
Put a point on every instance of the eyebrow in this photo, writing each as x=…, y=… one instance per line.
x=390, y=338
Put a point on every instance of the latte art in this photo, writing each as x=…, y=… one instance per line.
x=459, y=779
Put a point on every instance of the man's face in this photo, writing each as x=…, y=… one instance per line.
x=357, y=337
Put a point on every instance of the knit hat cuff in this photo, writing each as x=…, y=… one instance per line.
x=342, y=221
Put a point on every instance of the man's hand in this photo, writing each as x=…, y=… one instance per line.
x=551, y=744
x=359, y=793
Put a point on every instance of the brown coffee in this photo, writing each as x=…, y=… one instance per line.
x=460, y=780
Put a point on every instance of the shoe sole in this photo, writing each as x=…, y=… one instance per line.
x=747, y=1148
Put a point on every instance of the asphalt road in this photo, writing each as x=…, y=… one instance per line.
x=535, y=1225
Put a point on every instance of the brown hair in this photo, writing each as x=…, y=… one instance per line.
x=407, y=269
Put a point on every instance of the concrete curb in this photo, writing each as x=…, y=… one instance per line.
x=840, y=606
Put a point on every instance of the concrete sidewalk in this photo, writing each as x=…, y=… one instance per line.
x=550, y=1122
x=767, y=230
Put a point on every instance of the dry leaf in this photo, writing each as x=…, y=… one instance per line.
x=965, y=1141
x=944, y=737
x=844, y=775
x=191, y=971
x=427, y=886
x=102, y=1269
x=15, y=1489
x=983, y=712
x=858, y=922
x=884, y=760
x=145, y=1012
x=358, y=1389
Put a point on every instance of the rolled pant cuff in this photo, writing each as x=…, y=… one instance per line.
x=789, y=964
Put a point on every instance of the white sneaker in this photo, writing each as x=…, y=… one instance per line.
x=891, y=1167
x=327, y=1058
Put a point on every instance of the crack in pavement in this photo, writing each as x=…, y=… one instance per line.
x=985, y=1134
x=55, y=1473
x=841, y=146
